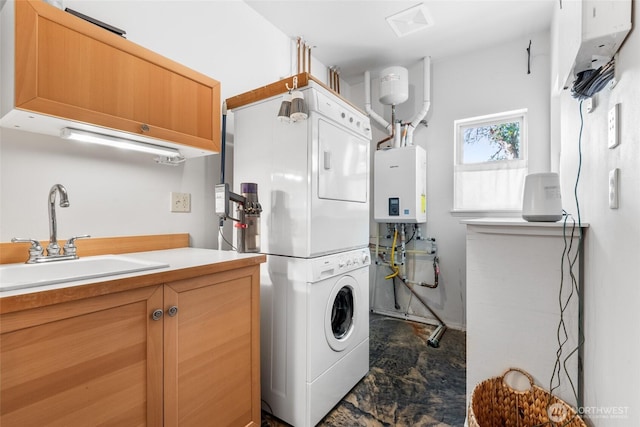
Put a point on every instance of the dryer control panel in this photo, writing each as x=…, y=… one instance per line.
x=339, y=111
x=335, y=264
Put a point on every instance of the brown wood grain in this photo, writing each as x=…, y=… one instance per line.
x=69, y=68
x=103, y=360
x=214, y=339
x=83, y=364
x=278, y=88
x=19, y=252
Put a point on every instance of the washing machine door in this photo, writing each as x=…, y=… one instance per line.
x=340, y=316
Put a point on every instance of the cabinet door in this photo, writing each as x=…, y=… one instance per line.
x=68, y=68
x=212, y=350
x=91, y=362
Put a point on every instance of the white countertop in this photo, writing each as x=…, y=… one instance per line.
x=177, y=259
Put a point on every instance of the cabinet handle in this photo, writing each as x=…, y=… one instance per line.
x=144, y=127
x=157, y=314
x=172, y=311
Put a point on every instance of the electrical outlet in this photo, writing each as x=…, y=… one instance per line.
x=180, y=202
x=612, y=127
x=613, y=188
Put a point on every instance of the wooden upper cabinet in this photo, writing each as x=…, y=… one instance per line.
x=68, y=68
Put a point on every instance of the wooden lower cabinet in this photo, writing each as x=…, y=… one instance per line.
x=89, y=362
x=105, y=361
x=212, y=348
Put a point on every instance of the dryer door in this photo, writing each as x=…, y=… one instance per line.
x=343, y=164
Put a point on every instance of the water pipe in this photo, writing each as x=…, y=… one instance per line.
x=367, y=105
x=420, y=115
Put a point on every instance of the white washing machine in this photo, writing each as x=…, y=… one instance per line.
x=314, y=332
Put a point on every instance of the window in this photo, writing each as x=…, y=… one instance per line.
x=490, y=161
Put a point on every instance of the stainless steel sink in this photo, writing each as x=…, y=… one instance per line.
x=16, y=276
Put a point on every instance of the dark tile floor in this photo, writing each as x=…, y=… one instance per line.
x=409, y=383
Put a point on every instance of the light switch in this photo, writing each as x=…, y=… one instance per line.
x=613, y=188
x=613, y=128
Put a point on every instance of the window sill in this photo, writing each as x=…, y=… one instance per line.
x=486, y=213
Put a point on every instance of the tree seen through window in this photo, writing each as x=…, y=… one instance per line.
x=492, y=143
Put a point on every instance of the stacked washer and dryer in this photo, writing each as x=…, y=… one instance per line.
x=313, y=184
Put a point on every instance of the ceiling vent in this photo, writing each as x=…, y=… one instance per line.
x=411, y=20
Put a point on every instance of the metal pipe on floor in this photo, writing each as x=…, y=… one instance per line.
x=434, y=338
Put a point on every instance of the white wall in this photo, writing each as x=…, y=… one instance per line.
x=116, y=193
x=479, y=83
x=612, y=246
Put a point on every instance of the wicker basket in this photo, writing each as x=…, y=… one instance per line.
x=495, y=404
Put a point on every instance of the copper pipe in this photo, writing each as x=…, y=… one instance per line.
x=393, y=127
x=338, y=81
x=309, y=60
x=385, y=140
x=298, y=55
x=304, y=57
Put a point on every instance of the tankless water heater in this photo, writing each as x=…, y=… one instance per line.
x=400, y=185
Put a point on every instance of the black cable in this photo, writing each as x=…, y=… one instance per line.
x=408, y=241
x=395, y=297
x=589, y=82
x=562, y=334
x=225, y=240
x=223, y=143
x=574, y=281
x=562, y=327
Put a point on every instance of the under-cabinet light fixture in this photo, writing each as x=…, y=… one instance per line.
x=112, y=141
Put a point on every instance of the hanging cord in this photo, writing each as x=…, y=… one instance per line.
x=410, y=238
x=225, y=240
x=395, y=296
x=571, y=259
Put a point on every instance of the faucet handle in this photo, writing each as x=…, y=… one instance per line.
x=70, y=247
x=34, y=251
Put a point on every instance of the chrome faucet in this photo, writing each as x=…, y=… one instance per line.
x=53, y=248
x=36, y=253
